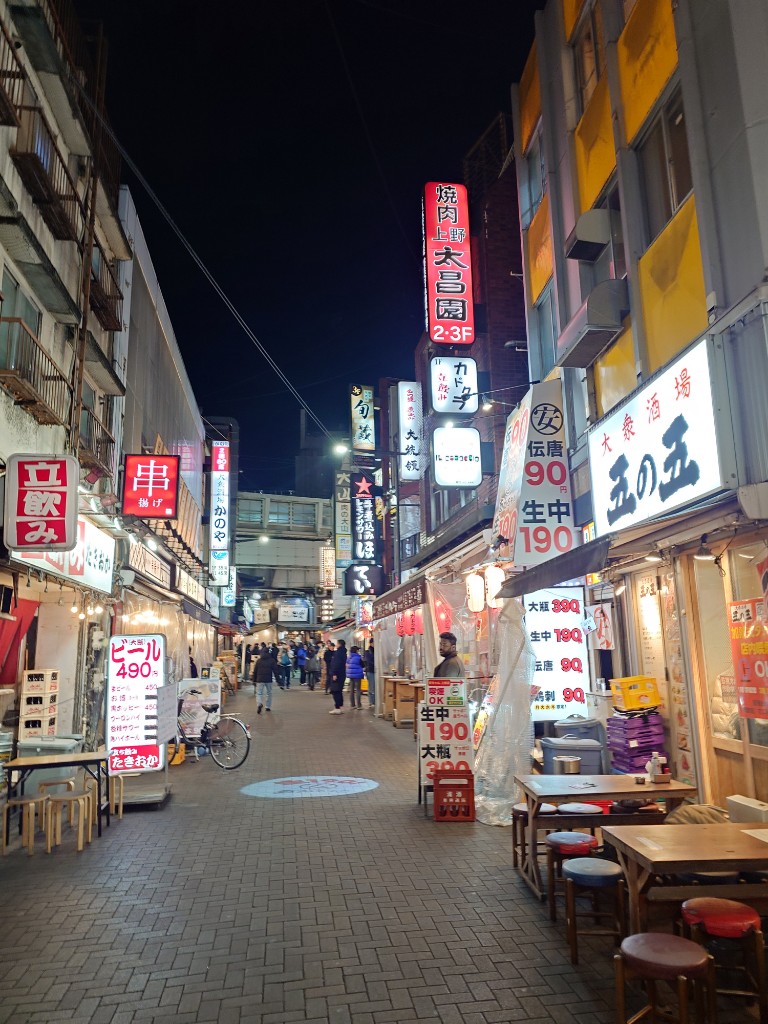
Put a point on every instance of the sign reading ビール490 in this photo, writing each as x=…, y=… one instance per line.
x=135, y=671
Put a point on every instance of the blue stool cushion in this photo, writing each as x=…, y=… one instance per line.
x=591, y=872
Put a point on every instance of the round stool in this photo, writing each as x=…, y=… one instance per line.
x=28, y=807
x=559, y=846
x=519, y=825
x=655, y=956
x=713, y=918
x=588, y=876
x=710, y=877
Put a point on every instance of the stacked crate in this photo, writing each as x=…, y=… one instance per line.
x=633, y=738
x=38, y=704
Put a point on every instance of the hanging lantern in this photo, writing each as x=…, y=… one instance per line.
x=409, y=623
x=494, y=581
x=443, y=615
x=475, y=592
x=399, y=624
x=418, y=620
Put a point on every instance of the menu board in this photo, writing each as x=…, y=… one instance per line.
x=749, y=649
x=554, y=624
x=444, y=743
x=135, y=671
x=651, y=635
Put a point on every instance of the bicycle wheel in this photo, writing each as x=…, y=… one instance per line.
x=229, y=743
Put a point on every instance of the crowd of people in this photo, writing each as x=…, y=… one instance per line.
x=327, y=665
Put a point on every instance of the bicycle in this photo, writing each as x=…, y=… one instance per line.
x=227, y=739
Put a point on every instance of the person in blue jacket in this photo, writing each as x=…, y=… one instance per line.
x=301, y=663
x=355, y=672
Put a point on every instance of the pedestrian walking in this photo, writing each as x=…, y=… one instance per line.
x=338, y=674
x=312, y=667
x=264, y=671
x=247, y=669
x=370, y=674
x=355, y=672
x=328, y=658
x=284, y=664
x=301, y=663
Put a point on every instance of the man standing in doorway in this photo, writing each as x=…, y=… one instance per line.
x=370, y=675
x=450, y=667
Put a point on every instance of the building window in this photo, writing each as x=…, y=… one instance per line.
x=611, y=262
x=280, y=512
x=327, y=515
x=666, y=165
x=589, y=54
x=534, y=179
x=250, y=510
x=304, y=515
x=546, y=334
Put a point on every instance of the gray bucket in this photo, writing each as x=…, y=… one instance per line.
x=566, y=764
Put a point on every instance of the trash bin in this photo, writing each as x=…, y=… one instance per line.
x=42, y=745
x=590, y=753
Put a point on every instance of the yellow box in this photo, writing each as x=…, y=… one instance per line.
x=635, y=693
x=176, y=756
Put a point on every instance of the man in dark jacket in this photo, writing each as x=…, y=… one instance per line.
x=264, y=671
x=370, y=674
x=328, y=658
x=338, y=674
x=451, y=667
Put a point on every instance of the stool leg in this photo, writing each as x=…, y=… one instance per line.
x=515, y=824
x=81, y=811
x=618, y=973
x=758, y=952
x=711, y=991
x=621, y=908
x=682, y=998
x=570, y=919
x=28, y=829
x=551, y=884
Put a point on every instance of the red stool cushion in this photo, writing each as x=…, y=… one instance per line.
x=727, y=919
x=571, y=842
x=662, y=957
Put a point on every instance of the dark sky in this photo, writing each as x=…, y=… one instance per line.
x=290, y=141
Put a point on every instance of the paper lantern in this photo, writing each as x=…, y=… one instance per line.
x=443, y=615
x=475, y=592
x=408, y=622
x=418, y=621
x=399, y=624
x=494, y=581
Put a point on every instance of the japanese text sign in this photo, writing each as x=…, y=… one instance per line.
x=91, y=563
x=151, y=486
x=659, y=450
x=534, y=511
x=456, y=453
x=445, y=742
x=553, y=622
x=363, y=429
x=229, y=594
x=411, y=429
x=135, y=671
x=748, y=629
x=364, y=579
x=41, y=502
x=342, y=519
x=448, y=265
x=366, y=528
x=409, y=595
x=453, y=385
x=219, y=526
x=218, y=568
x=327, y=577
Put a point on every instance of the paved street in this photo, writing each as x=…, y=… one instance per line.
x=350, y=908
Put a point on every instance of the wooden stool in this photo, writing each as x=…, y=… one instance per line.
x=713, y=918
x=559, y=846
x=28, y=806
x=519, y=825
x=80, y=802
x=578, y=808
x=656, y=956
x=591, y=875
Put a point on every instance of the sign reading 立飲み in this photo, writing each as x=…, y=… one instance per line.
x=534, y=511
x=448, y=265
x=363, y=429
x=135, y=671
x=659, y=450
x=411, y=427
x=456, y=452
x=41, y=502
x=151, y=486
x=453, y=385
x=553, y=622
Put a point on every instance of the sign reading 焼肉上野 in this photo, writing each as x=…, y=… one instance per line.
x=553, y=622
x=41, y=502
x=363, y=428
x=411, y=427
x=151, y=486
x=135, y=671
x=448, y=264
x=453, y=385
x=659, y=450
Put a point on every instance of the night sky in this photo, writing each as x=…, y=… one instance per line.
x=290, y=142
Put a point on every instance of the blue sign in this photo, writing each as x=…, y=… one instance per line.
x=299, y=786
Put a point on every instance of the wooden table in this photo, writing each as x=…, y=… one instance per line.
x=94, y=762
x=406, y=700
x=674, y=849
x=560, y=789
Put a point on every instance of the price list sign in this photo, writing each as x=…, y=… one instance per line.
x=554, y=623
x=445, y=743
x=135, y=671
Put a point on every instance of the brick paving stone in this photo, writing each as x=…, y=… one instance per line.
x=236, y=909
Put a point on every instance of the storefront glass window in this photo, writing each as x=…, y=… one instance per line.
x=716, y=648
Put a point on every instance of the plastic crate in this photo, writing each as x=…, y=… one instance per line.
x=454, y=796
x=44, y=680
x=633, y=693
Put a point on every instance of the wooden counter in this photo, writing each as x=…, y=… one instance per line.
x=408, y=692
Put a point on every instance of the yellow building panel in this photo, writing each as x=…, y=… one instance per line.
x=595, y=153
x=647, y=52
x=615, y=372
x=529, y=94
x=540, y=260
x=571, y=12
x=672, y=288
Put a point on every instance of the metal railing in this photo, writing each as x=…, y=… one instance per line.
x=96, y=445
x=31, y=376
x=106, y=297
x=46, y=176
x=12, y=79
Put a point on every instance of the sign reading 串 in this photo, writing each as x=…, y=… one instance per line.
x=135, y=670
x=41, y=502
x=445, y=742
x=448, y=277
x=553, y=621
x=659, y=450
x=151, y=486
x=453, y=385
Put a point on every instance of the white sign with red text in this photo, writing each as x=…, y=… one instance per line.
x=41, y=502
x=135, y=671
x=453, y=385
x=410, y=420
x=445, y=741
x=91, y=564
x=554, y=624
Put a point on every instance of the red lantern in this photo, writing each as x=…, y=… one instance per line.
x=399, y=624
x=444, y=616
x=418, y=620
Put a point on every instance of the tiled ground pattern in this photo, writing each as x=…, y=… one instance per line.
x=349, y=910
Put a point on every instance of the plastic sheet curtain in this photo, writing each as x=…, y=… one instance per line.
x=476, y=637
x=143, y=615
x=397, y=654
x=505, y=748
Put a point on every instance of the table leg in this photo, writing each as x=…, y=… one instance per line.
x=529, y=866
x=636, y=877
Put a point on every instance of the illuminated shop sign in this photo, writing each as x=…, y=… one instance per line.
x=41, y=502
x=90, y=564
x=456, y=455
x=453, y=385
x=363, y=429
x=448, y=270
x=151, y=486
x=554, y=624
x=411, y=430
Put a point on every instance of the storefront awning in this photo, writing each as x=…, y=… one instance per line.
x=195, y=611
x=591, y=557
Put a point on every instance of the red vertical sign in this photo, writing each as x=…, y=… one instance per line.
x=41, y=502
x=450, y=311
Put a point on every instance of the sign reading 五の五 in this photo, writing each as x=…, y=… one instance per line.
x=748, y=629
x=553, y=621
x=445, y=743
x=135, y=671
